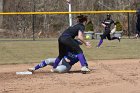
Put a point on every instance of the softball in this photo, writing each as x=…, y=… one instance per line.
x=87, y=37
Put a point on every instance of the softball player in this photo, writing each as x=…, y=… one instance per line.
x=107, y=25
x=138, y=25
x=66, y=40
x=65, y=64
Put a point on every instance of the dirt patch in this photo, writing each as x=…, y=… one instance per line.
x=107, y=76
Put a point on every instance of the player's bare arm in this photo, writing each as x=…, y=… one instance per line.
x=103, y=25
x=81, y=38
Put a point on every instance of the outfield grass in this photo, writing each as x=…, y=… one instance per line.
x=35, y=51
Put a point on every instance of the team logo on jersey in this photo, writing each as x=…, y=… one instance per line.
x=107, y=22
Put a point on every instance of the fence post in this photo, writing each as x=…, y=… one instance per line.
x=33, y=23
x=128, y=24
x=70, y=15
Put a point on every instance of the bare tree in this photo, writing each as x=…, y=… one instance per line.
x=22, y=24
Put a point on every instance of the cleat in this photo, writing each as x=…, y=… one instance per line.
x=84, y=70
x=31, y=69
x=119, y=38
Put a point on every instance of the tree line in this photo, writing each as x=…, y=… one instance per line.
x=21, y=25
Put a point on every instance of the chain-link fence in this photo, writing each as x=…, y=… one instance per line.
x=48, y=25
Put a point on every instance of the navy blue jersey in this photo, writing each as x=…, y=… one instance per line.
x=72, y=57
x=108, y=23
x=73, y=31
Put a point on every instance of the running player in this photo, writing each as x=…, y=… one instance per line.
x=64, y=66
x=107, y=25
x=66, y=40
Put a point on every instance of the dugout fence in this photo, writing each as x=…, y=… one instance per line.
x=33, y=25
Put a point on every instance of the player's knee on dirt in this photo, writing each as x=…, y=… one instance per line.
x=61, y=69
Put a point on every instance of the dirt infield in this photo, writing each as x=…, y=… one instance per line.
x=107, y=76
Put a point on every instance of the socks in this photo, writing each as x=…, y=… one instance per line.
x=82, y=60
x=101, y=41
x=86, y=64
x=42, y=64
x=56, y=62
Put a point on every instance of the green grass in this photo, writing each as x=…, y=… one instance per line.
x=126, y=49
x=35, y=51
